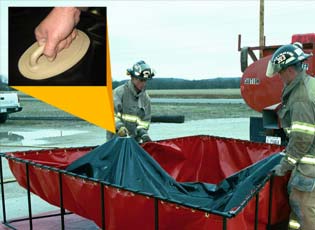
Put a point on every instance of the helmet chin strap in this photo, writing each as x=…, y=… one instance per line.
x=304, y=66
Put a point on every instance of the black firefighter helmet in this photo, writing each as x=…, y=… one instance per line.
x=284, y=57
x=141, y=70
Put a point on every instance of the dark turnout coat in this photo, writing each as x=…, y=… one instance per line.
x=297, y=115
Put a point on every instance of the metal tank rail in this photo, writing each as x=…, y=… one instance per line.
x=103, y=185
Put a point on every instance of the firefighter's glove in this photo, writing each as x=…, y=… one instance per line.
x=145, y=138
x=122, y=131
x=282, y=168
x=278, y=170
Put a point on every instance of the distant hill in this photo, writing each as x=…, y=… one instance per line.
x=178, y=83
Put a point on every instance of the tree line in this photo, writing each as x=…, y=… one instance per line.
x=177, y=83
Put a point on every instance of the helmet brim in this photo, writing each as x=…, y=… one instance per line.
x=304, y=56
x=272, y=69
x=146, y=74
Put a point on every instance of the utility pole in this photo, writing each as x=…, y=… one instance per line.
x=261, y=26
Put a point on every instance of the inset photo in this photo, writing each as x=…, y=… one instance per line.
x=57, y=46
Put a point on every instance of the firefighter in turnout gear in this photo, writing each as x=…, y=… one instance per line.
x=132, y=105
x=297, y=116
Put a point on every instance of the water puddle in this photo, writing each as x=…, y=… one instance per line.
x=10, y=137
x=35, y=137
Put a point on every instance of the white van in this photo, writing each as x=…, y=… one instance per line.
x=9, y=103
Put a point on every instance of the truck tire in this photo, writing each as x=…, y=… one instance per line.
x=3, y=118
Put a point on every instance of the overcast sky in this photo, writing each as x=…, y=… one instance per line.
x=191, y=39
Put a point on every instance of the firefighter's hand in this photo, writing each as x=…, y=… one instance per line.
x=57, y=30
x=122, y=131
x=282, y=168
x=145, y=138
x=278, y=170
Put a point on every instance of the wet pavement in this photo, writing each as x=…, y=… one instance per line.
x=17, y=138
